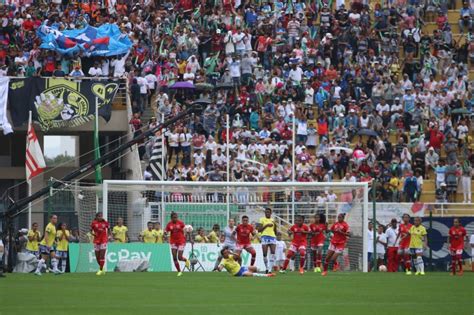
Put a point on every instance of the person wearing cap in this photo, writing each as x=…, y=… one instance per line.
x=441, y=194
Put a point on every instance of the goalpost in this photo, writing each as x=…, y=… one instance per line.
x=203, y=204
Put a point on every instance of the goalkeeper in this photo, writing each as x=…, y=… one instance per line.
x=230, y=261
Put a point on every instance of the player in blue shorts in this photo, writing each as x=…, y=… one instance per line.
x=230, y=262
x=268, y=229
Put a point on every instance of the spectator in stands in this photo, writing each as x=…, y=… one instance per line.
x=201, y=236
x=467, y=172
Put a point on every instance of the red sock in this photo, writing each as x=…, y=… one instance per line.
x=252, y=260
x=101, y=263
x=182, y=258
x=176, y=264
x=326, y=265
x=320, y=259
x=285, y=264
x=459, y=259
x=407, y=262
x=302, y=258
x=315, y=259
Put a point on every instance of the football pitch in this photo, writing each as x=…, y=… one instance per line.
x=219, y=293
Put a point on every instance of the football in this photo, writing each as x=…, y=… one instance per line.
x=188, y=228
x=383, y=268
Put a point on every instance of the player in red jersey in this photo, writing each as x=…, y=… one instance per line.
x=99, y=228
x=341, y=233
x=456, y=238
x=318, y=230
x=404, y=247
x=299, y=231
x=244, y=231
x=177, y=240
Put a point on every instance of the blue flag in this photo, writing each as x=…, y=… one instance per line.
x=105, y=40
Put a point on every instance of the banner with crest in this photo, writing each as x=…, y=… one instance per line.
x=60, y=103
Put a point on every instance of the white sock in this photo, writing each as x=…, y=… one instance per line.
x=271, y=262
x=40, y=265
x=265, y=261
x=54, y=264
x=63, y=265
x=419, y=263
x=259, y=275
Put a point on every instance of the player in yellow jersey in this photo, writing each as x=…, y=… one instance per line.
x=230, y=262
x=46, y=247
x=149, y=235
x=268, y=229
x=159, y=231
x=120, y=232
x=62, y=237
x=417, y=244
x=34, y=237
x=213, y=237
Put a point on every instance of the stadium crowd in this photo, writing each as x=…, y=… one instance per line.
x=357, y=91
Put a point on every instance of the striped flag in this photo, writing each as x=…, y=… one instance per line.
x=158, y=159
x=34, y=162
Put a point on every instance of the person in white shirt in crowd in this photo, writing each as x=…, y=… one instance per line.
x=96, y=70
x=219, y=158
x=173, y=142
x=393, y=259
x=119, y=65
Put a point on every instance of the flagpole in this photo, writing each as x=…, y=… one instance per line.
x=28, y=180
x=227, y=149
x=293, y=166
x=98, y=170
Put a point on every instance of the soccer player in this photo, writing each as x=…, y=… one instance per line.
x=228, y=240
x=457, y=236
x=159, y=231
x=381, y=245
x=120, y=232
x=417, y=244
x=62, y=237
x=99, y=228
x=299, y=231
x=230, y=262
x=341, y=233
x=268, y=229
x=149, y=235
x=34, y=237
x=46, y=245
x=244, y=232
x=404, y=237
x=318, y=230
x=177, y=241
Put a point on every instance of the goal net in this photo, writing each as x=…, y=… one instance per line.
x=204, y=204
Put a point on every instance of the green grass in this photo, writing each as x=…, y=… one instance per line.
x=218, y=293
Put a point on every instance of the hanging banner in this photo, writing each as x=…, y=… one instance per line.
x=105, y=40
x=59, y=103
x=4, y=123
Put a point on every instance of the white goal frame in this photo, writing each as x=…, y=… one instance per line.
x=317, y=185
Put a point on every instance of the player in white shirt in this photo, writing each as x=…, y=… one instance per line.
x=381, y=245
x=370, y=245
x=392, y=246
x=280, y=251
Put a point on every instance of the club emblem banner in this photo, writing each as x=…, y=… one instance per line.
x=59, y=103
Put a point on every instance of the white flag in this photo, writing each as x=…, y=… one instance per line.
x=34, y=162
x=4, y=123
